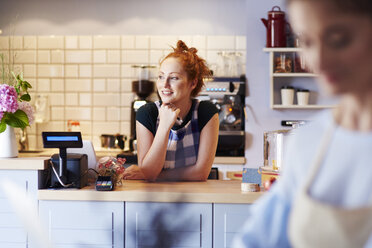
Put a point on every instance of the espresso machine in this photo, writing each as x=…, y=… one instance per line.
x=228, y=95
x=143, y=87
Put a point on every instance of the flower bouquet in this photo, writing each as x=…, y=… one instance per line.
x=15, y=109
x=110, y=166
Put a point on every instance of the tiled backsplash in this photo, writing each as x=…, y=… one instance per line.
x=88, y=78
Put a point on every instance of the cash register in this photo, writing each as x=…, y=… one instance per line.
x=68, y=170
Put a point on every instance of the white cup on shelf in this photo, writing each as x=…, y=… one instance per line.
x=303, y=97
x=287, y=94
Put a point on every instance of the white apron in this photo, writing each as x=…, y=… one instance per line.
x=315, y=224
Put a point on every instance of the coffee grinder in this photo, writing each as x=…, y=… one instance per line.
x=143, y=87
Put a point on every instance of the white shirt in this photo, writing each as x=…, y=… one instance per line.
x=345, y=179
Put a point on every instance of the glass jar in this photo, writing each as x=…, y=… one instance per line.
x=283, y=63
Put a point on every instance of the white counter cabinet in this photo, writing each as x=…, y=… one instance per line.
x=12, y=233
x=22, y=176
x=176, y=225
x=228, y=221
x=73, y=224
x=192, y=214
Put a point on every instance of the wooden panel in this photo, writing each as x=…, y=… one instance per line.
x=211, y=191
x=35, y=163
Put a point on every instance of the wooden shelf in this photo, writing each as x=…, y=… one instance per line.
x=295, y=74
x=310, y=106
x=275, y=78
x=282, y=49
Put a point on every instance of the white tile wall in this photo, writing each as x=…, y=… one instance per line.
x=85, y=71
x=99, y=56
x=4, y=42
x=29, y=42
x=50, y=70
x=99, y=85
x=127, y=42
x=85, y=99
x=43, y=56
x=71, y=70
x=71, y=42
x=57, y=99
x=58, y=113
x=85, y=42
x=72, y=99
x=74, y=85
x=106, y=71
x=100, y=42
x=76, y=57
x=29, y=71
x=57, y=85
x=26, y=56
x=50, y=42
x=57, y=57
x=89, y=78
x=16, y=42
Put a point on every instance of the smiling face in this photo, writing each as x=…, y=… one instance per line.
x=172, y=84
x=336, y=45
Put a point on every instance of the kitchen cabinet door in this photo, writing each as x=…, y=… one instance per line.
x=12, y=231
x=152, y=224
x=228, y=221
x=73, y=224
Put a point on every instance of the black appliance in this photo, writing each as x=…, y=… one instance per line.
x=228, y=94
x=76, y=170
x=66, y=170
x=143, y=87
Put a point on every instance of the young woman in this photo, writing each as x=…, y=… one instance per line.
x=324, y=197
x=177, y=136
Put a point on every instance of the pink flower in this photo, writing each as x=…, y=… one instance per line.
x=8, y=98
x=28, y=109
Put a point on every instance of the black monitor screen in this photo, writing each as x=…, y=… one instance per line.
x=62, y=139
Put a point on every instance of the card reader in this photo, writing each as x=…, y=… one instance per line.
x=104, y=183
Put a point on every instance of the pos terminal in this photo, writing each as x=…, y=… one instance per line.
x=68, y=170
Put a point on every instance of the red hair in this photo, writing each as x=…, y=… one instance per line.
x=195, y=67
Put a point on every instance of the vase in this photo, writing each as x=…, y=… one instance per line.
x=8, y=143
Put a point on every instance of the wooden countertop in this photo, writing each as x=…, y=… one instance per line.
x=113, y=152
x=211, y=191
x=24, y=163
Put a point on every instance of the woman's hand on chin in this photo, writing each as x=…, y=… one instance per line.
x=133, y=172
x=168, y=114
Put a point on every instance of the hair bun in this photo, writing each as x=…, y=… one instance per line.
x=193, y=50
x=181, y=46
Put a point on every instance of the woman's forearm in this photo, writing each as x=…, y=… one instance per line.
x=189, y=173
x=152, y=163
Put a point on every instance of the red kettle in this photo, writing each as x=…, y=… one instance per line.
x=275, y=28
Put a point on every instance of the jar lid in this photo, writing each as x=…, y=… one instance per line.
x=287, y=87
x=302, y=90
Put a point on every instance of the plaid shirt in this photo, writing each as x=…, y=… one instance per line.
x=183, y=144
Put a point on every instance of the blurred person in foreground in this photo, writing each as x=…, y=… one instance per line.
x=324, y=196
x=177, y=136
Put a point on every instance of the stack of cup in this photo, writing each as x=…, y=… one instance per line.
x=287, y=93
x=303, y=97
